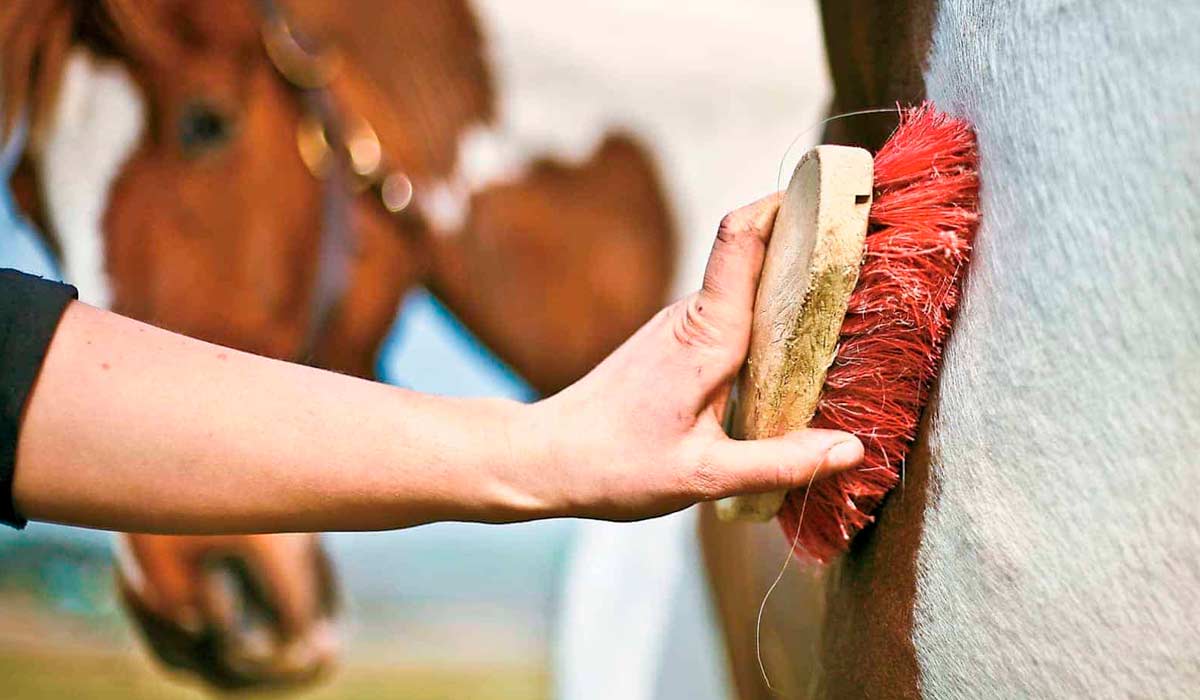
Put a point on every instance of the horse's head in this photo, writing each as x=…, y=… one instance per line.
x=165, y=164
x=203, y=193
x=215, y=201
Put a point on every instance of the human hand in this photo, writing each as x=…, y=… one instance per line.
x=239, y=611
x=641, y=435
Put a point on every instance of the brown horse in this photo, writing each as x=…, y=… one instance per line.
x=242, y=172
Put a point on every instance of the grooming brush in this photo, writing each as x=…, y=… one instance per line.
x=861, y=277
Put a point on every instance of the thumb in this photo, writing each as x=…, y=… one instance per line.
x=780, y=463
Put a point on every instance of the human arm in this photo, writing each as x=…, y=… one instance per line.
x=132, y=427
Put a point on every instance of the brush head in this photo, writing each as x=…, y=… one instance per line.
x=921, y=222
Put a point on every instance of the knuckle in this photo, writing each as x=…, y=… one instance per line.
x=706, y=477
x=785, y=475
x=705, y=485
x=747, y=225
x=693, y=326
x=733, y=227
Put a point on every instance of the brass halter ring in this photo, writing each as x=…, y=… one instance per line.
x=305, y=69
x=312, y=71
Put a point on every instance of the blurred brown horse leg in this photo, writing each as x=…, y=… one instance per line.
x=743, y=560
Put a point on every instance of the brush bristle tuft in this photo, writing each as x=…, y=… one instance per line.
x=918, y=243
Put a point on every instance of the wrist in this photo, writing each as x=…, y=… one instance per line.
x=518, y=481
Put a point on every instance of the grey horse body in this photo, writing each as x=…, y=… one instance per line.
x=1060, y=553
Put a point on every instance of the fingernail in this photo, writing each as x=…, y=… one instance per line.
x=844, y=455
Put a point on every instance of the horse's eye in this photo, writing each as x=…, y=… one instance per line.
x=202, y=128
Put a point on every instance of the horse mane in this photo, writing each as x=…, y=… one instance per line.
x=36, y=37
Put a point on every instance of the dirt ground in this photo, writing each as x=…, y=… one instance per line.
x=26, y=676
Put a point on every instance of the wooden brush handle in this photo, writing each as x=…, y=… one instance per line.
x=810, y=270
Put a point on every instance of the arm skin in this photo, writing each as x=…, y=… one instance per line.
x=134, y=428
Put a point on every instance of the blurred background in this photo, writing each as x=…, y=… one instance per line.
x=717, y=91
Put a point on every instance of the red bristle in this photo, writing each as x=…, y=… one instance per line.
x=918, y=242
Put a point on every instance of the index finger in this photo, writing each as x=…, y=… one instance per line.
x=735, y=263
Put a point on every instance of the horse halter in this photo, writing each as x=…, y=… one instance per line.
x=341, y=150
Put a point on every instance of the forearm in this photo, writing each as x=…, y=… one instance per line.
x=134, y=428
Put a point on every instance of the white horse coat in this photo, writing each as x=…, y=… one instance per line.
x=1061, y=546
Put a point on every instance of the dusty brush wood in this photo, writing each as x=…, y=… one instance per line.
x=811, y=268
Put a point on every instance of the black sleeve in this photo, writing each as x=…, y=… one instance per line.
x=30, y=308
